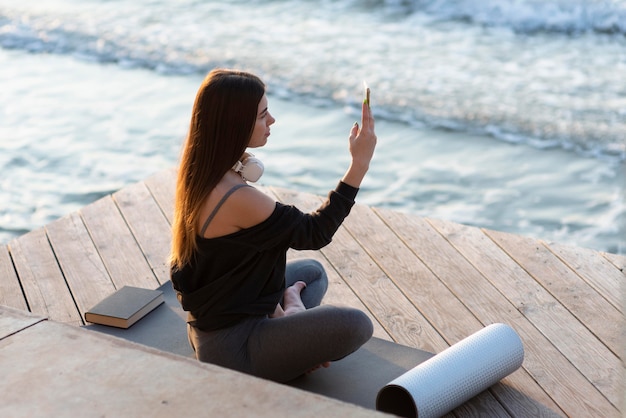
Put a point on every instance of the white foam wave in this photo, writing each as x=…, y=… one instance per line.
x=565, y=16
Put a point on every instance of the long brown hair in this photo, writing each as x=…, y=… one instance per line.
x=223, y=118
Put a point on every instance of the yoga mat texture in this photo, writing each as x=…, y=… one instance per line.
x=455, y=375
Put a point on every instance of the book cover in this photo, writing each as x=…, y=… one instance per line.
x=124, y=307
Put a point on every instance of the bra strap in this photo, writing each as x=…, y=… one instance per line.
x=219, y=205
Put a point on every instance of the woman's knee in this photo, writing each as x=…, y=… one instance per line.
x=317, y=277
x=363, y=328
x=306, y=269
x=352, y=325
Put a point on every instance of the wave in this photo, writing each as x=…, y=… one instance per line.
x=416, y=87
x=525, y=16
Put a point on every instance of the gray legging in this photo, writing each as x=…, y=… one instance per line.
x=283, y=348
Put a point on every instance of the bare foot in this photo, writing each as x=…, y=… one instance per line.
x=291, y=300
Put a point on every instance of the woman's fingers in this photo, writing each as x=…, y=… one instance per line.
x=354, y=131
x=367, y=120
x=363, y=138
x=362, y=142
x=364, y=113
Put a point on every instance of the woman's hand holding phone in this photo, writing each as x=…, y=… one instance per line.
x=362, y=142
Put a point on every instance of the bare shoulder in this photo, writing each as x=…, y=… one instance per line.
x=251, y=206
x=244, y=208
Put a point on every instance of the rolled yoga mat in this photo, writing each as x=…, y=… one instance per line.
x=448, y=379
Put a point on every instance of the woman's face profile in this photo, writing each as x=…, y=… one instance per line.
x=262, y=126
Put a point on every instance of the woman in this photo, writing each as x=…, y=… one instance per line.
x=248, y=309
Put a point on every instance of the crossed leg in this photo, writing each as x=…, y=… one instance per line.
x=293, y=304
x=283, y=348
x=303, y=335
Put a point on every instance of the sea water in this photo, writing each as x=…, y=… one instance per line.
x=509, y=115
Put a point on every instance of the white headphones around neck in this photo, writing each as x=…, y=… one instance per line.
x=249, y=168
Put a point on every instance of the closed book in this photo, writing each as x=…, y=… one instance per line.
x=124, y=307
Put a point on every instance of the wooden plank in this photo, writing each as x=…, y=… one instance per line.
x=84, y=271
x=44, y=286
x=582, y=300
x=125, y=263
x=386, y=302
x=618, y=260
x=437, y=303
x=542, y=360
x=148, y=225
x=162, y=185
x=482, y=405
x=434, y=300
x=10, y=290
x=554, y=321
x=14, y=320
x=594, y=269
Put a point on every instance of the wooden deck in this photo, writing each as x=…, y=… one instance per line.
x=425, y=283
